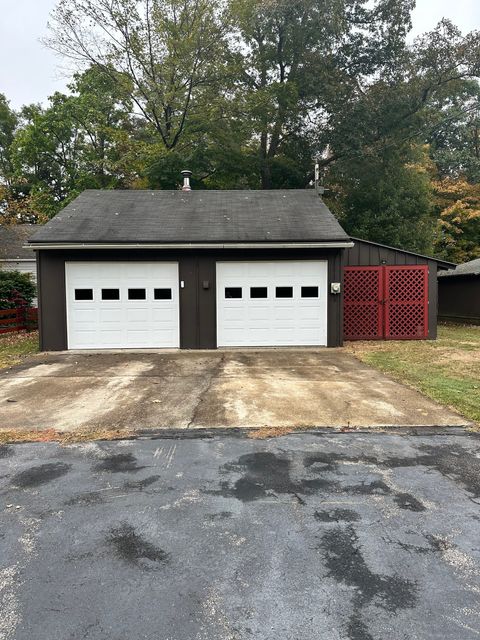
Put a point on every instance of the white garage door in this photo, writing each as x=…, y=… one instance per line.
x=271, y=303
x=122, y=305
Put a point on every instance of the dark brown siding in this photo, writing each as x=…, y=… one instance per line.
x=52, y=302
x=365, y=254
x=335, y=302
x=197, y=302
x=374, y=255
x=459, y=298
x=432, y=299
x=197, y=297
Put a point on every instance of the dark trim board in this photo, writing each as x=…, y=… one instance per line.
x=197, y=298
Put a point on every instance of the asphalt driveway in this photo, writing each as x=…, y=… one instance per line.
x=192, y=389
x=338, y=536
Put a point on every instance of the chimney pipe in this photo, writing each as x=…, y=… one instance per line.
x=317, y=176
x=186, y=180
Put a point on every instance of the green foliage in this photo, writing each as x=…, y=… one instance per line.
x=12, y=282
x=79, y=141
x=8, y=123
x=457, y=206
x=168, y=51
x=300, y=63
x=388, y=199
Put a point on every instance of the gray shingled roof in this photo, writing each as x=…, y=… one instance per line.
x=471, y=268
x=98, y=216
x=12, y=239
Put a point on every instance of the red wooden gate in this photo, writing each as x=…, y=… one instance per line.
x=386, y=303
x=362, y=303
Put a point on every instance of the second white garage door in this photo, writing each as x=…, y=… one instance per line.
x=118, y=305
x=281, y=303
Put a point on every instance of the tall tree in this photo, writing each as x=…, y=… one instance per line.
x=168, y=50
x=457, y=205
x=82, y=140
x=387, y=198
x=299, y=61
x=8, y=124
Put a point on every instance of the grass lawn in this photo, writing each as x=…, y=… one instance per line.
x=15, y=346
x=447, y=369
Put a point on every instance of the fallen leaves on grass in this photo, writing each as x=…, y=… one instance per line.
x=14, y=347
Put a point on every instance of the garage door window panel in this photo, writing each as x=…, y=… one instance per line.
x=284, y=292
x=83, y=294
x=162, y=294
x=137, y=294
x=233, y=293
x=110, y=294
x=309, y=292
x=258, y=292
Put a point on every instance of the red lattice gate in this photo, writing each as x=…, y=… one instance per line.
x=386, y=303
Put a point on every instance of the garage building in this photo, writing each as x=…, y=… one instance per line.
x=190, y=269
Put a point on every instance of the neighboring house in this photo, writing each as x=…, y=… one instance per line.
x=13, y=254
x=194, y=269
x=459, y=293
x=389, y=293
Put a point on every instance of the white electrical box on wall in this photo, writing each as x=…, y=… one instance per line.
x=335, y=287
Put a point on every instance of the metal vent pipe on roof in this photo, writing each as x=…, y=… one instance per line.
x=186, y=173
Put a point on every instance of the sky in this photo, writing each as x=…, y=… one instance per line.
x=29, y=72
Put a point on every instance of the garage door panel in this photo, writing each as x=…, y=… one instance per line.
x=109, y=315
x=235, y=313
x=163, y=316
x=259, y=314
x=281, y=314
x=272, y=320
x=111, y=337
x=313, y=314
x=137, y=315
x=123, y=323
x=86, y=315
x=136, y=338
x=85, y=338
